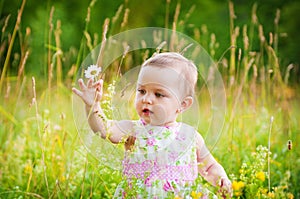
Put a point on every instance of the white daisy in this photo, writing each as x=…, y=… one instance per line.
x=92, y=71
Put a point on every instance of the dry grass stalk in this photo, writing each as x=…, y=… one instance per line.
x=186, y=48
x=232, y=66
x=253, y=86
x=59, y=53
x=160, y=46
x=16, y=28
x=245, y=40
x=188, y=14
x=49, y=54
x=197, y=34
x=167, y=19
x=271, y=40
x=234, y=32
x=276, y=27
x=269, y=152
x=88, y=15
x=24, y=57
x=213, y=45
x=103, y=42
x=254, y=23
x=125, y=18
x=176, y=16
x=21, y=68
x=37, y=117
x=126, y=50
x=4, y=27
x=287, y=73
x=88, y=40
x=174, y=39
x=81, y=52
x=117, y=15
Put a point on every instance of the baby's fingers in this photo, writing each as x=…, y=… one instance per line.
x=99, y=89
x=90, y=83
x=226, y=188
x=77, y=92
x=98, y=85
x=81, y=84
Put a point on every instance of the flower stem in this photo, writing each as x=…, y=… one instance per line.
x=269, y=151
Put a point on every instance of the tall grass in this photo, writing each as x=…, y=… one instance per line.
x=42, y=155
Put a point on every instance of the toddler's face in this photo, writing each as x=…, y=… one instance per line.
x=158, y=95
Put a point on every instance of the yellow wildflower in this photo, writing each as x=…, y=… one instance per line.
x=271, y=195
x=196, y=195
x=62, y=178
x=28, y=168
x=237, y=193
x=290, y=196
x=284, y=187
x=264, y=191
x=261, y=176
x=177, y=197
x=236, y=186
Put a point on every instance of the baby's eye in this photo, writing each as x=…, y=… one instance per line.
x=141, y=91
x=159, y=95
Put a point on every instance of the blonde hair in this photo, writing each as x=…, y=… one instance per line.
x=178, y=62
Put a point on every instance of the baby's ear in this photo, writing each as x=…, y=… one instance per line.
x=186, y=103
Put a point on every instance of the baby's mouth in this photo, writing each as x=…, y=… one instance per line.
x=147, y=111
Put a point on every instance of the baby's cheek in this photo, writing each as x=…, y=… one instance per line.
x=160, y=113
x=137, y=106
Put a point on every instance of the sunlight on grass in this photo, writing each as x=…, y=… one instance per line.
x=43, y=156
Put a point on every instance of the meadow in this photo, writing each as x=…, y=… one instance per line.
x=44, y=156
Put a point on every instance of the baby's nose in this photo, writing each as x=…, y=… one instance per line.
x=147, y=99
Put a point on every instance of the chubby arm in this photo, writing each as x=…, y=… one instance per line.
x=210, y=169
x=91, y=94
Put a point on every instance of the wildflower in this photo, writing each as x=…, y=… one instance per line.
x=92, y=71
x=57, y=127
x=177, y=197
x=236, y=186
x=62, y=178
x=196, y=195
x=28, y=168
x=290, y=196
x=264, y=191
x=284, y=187
x=238, y=193
x=261, y=176
x=271, y=195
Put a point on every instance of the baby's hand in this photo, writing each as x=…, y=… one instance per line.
x=91, y=92
x=226, y=188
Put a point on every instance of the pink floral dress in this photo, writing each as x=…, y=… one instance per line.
x=161, y=164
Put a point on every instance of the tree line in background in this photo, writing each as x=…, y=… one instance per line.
x=68, y=20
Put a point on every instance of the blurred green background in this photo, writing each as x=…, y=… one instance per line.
x=214, y=14
x=41, y=154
